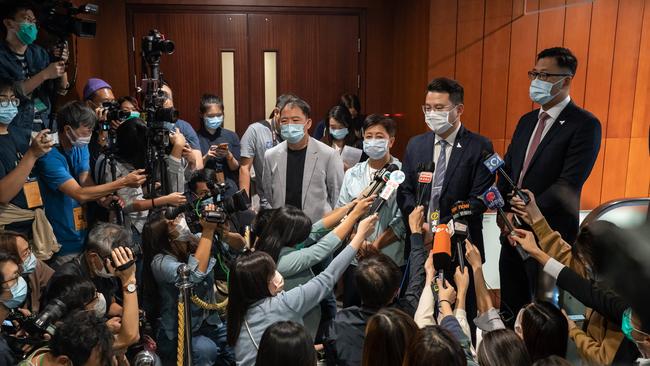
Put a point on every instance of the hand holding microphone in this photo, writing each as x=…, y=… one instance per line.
x=494, y=163
x=494, y=201
x=416, y=219
x=529, y=212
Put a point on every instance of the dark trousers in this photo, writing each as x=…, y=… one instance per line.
x=518, y=281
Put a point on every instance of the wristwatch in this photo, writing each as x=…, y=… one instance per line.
x=130, y=288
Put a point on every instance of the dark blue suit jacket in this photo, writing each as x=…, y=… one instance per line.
x=465, y=178
x=560, y=166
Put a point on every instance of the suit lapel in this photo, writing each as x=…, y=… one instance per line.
x=311, y=158
x=558, y=125
x=281, y=176
x=457, y=152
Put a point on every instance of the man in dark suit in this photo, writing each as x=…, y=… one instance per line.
x=459, y=173
x=552, y=152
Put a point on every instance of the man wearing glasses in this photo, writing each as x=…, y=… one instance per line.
x=459, y=174
x=552, y=152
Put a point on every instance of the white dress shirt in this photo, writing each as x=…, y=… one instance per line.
x=451, y=139
x=553, y=113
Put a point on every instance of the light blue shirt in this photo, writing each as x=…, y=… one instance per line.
x=355, y=181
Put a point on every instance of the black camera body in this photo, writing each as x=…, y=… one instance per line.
x=59, y=18
x=114, y=113
x=194, y=210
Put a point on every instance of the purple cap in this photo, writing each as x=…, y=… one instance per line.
x=94, y=85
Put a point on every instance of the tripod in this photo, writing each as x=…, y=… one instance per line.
x=109, y=157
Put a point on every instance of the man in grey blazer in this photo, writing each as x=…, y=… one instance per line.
x=301, y=171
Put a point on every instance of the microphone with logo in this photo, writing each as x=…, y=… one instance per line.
x=494, y=163
x=460, y=211
x=494, y=201
x=379, y=180
x=423, y=189
x=396, y=178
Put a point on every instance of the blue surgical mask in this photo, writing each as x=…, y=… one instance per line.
x=18, y=294
x=8, y=113
x=213, y=122
x=27, y=33
x=292, y=132
x=540, y=91
x=29, y=264
x=339, y=134
x=375, y=148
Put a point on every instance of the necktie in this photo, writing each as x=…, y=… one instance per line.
x=436, y=187
x=537, y=138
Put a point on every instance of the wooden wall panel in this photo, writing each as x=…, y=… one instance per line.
x=442, y=38
x=550, y=29
x=577, y=27
x=494, y=91
x=626, y=60
x=469, y=57
x=638, y=174
x=615, y=169
x=641, y=115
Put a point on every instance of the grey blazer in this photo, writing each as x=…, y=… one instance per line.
x=321, y=182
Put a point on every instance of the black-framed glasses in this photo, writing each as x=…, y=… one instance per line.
x=427, y=108
x=4, y=287
x=543, y=76
x=4, y=102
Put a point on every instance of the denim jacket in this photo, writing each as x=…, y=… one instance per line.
x=165, y=271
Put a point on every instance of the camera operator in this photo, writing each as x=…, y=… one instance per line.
x=96, y=93
x=129, y=104
x=18, y=210
x=130, y=155
x=82, y=339
x=32, y=67
x=108, y=249
x=171, y=244
x=66, y=183
x=193, y=153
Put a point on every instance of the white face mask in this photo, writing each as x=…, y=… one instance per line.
x=277, y=284
x=76, y=140
x=182, y=232
x=438, y=121
x=100, y=305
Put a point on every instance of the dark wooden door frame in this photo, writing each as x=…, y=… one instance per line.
x=133, y=58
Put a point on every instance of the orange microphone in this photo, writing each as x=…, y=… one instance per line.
x=442, y=248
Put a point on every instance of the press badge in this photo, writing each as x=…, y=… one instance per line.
x=39, y=106
x=79, y=216
x=32, y=193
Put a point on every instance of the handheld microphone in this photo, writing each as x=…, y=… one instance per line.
x=396, y=178
x=460, y=211
x=423, y=189
x=493, y=200
x=494, y=163
x=441, y=248
x=379, y=180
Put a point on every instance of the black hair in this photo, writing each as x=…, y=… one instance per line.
x=261, y=221
x=199, y=176
x=434, y=346
x=129, y=137
x=8, y=257
x=545, y=330
x=75, y=114
x=208, y=99
x=388, y=333
x=74, y=291
x=130, y=99
x=350, y=101
x=342, y=116
x=590, y=238
x=502, y=347
x=552, y=360
x=377, y=278
x=449, y=86
x=280, y=102
x=300, y=103
x=11, y=8
x=287, y=227
x=379, y=119
x=286, y=343
x=249, y=278
x=563, y=56
x=77, y=337
x=7, y=84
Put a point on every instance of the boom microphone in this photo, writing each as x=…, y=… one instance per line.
x=494, y=163
x=493, y=200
